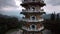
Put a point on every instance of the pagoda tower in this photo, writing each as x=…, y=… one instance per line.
x=32, y=22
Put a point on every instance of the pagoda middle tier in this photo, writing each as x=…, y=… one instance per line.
x=32, y=12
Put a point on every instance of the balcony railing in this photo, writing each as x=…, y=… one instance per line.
x=36, y=20
x=29, y=29
x=32, y=11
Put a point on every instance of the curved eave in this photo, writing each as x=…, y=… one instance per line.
x=31, y=22
x=33, y=3
x=33, y=31
x=32, y=13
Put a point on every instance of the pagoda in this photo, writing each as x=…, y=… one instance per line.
x=32, y=22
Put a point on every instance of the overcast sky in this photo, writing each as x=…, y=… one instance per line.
x=12, y=7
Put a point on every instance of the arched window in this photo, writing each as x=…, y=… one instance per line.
x=33, y=9
x=32, y=26
x=32, y=17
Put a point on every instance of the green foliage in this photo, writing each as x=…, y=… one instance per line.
x=7, y=23
x=19, y=26
x=53, y=23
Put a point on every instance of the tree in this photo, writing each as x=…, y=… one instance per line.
x=57, y=17
x=52, y=16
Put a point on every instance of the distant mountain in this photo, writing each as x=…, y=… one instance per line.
x=46, y=16
x=6, y=16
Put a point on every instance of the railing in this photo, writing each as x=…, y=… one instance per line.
x=28, y=29
x=32, y=11
x=36, y=20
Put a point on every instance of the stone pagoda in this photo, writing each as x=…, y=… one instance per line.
x=32, y=22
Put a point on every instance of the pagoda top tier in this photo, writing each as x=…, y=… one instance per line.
x=26, y=1
x=32, y=2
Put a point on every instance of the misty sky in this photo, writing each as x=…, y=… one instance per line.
x=13, y=8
